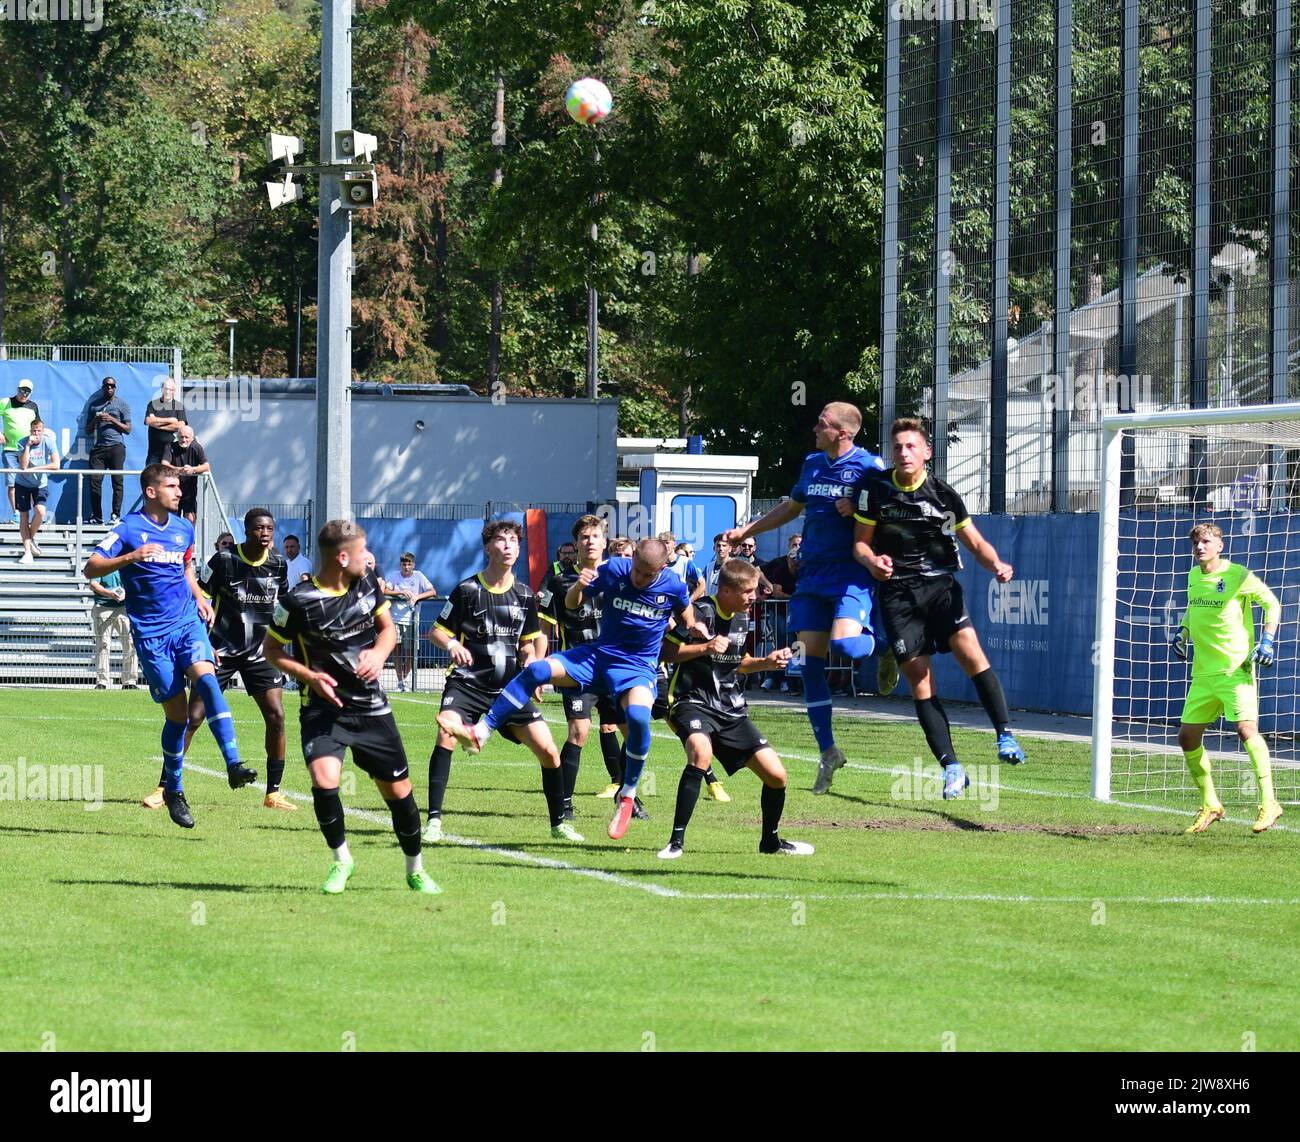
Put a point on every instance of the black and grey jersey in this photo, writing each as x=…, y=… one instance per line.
x=712, y=680
x=916, y=526
x=329, y=630
x=243, y=593
x=490, y=622
x=573, y=628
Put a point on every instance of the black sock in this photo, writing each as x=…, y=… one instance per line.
x=439, y=774
x=610, y=755
x=570, y=755
x=710, y=776
x=773, y=802
x=406, y=824
x=934, y=721
x=553, y=787
x=688, y=793
x=993, y=700
x=329, y=812
x=274, y=773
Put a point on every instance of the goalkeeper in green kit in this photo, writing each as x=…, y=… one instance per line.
x=1220, y=624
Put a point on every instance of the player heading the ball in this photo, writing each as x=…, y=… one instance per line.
x=1220, y=623
x=169, y=615
x=908, y=525
x=833, y=595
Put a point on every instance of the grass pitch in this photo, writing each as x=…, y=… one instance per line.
x=1025, y=917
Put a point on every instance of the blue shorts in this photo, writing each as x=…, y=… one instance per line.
x=165, y=659
x=822, y=595
x=9, y=459
x=597, y=671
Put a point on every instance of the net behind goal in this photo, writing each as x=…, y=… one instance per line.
x=1163, y=473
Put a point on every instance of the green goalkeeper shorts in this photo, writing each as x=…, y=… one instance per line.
x=1232, y=695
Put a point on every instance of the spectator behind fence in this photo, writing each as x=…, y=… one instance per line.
x=36, y=457
x=163, y=416
x=406, y=588
x=781, y=573
x=108, y=615
x=299, y=564
x=106, y=423
x=225, y=541
x=721, y=553
x=17, y=413
x=187, y=455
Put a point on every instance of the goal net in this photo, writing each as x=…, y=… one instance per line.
x=1163, y=473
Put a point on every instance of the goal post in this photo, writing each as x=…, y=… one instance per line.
x=1161, y=473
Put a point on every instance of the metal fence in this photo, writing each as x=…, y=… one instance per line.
x=127, y=354
x=1146, y=258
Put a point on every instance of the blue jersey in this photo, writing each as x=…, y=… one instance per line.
x=158, y=595
x=632, y=620
x=827, y=535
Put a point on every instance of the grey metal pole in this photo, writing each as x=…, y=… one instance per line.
x=333, y=276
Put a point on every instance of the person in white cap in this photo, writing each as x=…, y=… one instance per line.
x=16, y=415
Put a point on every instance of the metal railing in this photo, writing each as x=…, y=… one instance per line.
x=126, y=354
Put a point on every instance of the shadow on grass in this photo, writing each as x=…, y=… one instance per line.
x=191, y=885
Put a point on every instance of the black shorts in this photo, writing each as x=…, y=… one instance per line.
x=578, y=706
x=373, y=738
x=660, y=707
x=473, y=704
x=735, y=738
x=921, y=615
x=28, y=499
x=258, y=676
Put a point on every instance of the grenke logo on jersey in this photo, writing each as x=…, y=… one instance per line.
x=645, y=610
x=834, y=491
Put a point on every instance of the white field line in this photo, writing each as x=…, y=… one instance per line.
x=674, y=893
x=888, y=771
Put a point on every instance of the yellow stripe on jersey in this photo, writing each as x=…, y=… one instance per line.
x=281, y=641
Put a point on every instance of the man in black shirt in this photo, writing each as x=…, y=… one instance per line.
x=908, y=525
x=245, y=583
x=491, y=628
x=577, y=628
x=339, y=622
x=188, y=456
x=106, y=421
x=707, y=707
x=163, y=417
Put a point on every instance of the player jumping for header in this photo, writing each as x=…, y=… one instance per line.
x=153, y=549
x=708, y=711
x=833, y=598
x=638, y=596
x=491, y=628
x=340, y=623
x=908, y=524
x=1220, y=623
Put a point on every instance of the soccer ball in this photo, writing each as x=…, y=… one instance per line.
x=588, y=101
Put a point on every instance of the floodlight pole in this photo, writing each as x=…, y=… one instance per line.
x=333, y=498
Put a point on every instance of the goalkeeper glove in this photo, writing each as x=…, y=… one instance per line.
x=1183, y=643
x=1265, y=652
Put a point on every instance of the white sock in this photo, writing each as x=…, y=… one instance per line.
x=341, y=853
x=627, y=791
x=482, y=731
x=414, y=864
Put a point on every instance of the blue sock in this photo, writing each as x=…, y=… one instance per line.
x=519, y=693
x=220, y=722
x=855, y=646
x=817, y=698
x=638, y=747
x=173, y=747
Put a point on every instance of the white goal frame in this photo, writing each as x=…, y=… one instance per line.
x=1108, y=528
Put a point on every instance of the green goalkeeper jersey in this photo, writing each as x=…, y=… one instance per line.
x=1219, y=616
